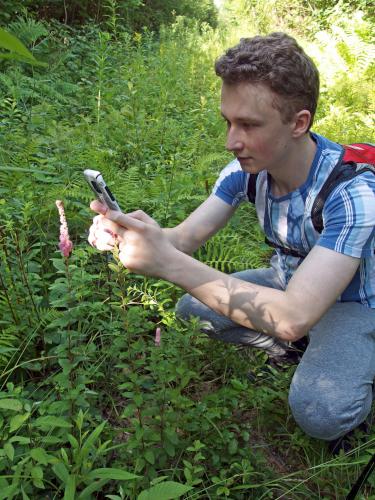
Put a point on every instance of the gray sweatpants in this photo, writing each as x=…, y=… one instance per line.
x=331, y=390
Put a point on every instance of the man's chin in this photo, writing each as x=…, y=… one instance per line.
x=246, y=162
x=250, y=167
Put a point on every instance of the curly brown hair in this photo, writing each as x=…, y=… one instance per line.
x=277, y=61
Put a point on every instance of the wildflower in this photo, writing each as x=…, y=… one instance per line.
x=65, y=244
x=157, y=336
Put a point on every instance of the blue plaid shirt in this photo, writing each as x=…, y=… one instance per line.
x=348, y=217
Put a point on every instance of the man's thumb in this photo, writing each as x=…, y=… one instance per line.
x=98, y=207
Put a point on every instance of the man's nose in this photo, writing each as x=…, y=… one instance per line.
x=234, y=142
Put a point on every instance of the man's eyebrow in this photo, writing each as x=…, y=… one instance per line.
x=243, y=119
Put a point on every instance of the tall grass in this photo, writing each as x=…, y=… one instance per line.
x=77, y=337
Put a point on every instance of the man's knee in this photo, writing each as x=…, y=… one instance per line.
x=189, y=306
x=184, y=306
x=326, y=414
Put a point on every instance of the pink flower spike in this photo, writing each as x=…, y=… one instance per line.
x=157, y=337
x=65, y=244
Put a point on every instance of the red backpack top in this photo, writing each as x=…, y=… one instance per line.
x=359, y=153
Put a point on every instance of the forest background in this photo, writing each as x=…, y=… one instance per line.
x=90, y=405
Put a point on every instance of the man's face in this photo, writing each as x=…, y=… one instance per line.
x=256, y=134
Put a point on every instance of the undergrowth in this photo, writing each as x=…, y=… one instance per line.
x=89, y=405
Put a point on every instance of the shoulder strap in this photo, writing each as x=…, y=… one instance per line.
x=252, y=187
x=355, y=159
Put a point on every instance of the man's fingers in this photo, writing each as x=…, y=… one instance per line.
x=134, y=220
x=125, y=221
x=142, y=216
x=101, y=239
x=96, y=206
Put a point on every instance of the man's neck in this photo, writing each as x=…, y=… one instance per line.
x=295, y=171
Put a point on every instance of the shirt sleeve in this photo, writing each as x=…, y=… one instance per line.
x=349, y=218
x=231, y=185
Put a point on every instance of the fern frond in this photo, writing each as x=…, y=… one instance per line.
x=9, y=344
x=7, y=84
x=47, y=315
x=28, y=30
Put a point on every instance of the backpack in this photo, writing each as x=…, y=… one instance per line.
x=354, y=160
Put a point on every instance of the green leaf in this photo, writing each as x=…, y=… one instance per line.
x=52, y=440
x=61, y=472
x=20, y=440
x=37, y=475
x=238, y=385
x=172, y=435
x=233, y=446
x=70, y=488
x=16, y=48
x=164, y=491
x=59, y=264
x=37, y=472
x=111, y=473
x=150, y=457
x=64, y=455
x=51, y=421
x=95, y=486
x=79, y=420
x=90, y=441
x=11, y=404
x=11, y=43
x=169, y=448
x=9, y=451
x=17, y=57
x=17, y=421
x=25, y=496
x=73, y=442
x=114, y=267
x=8, y=492
x=40, y=456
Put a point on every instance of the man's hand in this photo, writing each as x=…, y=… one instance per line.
x=143, y=246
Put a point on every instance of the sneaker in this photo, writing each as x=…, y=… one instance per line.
x=349, y=441
x=292, y=356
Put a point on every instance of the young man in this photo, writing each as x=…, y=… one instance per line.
x=269, y=97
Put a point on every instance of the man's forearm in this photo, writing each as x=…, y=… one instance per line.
x=256, y=307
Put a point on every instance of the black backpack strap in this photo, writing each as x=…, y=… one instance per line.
x=342, y=172
x=252, y=187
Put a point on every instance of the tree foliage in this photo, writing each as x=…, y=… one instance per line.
x=132, y=15
x=88, y=402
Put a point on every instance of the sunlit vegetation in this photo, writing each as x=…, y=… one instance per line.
x=90, y=407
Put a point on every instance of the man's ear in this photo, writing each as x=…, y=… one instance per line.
x=300, y=123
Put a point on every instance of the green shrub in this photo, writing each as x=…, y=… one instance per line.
x=88, y=402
